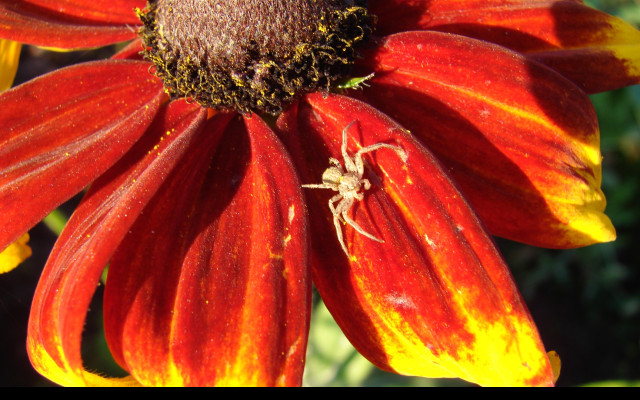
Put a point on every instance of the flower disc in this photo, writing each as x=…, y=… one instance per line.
x=252, y=55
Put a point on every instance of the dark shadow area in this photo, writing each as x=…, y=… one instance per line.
x=35, y=62
x=395, y=17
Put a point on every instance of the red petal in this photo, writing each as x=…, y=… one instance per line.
x=435, y=299
x=61, y=131
x=130, y=51
x=595, y=50
x=211, y=285
x=91, y=236
x=69, y=24
x=522, y=141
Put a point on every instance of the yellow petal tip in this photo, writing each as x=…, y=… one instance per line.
x=16, y=253
x=554, y=359
x=589, y=226
x=9, y=56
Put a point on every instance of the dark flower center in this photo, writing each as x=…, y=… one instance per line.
x=252, y=55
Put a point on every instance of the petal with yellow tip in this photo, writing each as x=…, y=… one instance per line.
x=211, y=285
x=597, y=51
x=521, y=140
x=434, y=298
x=89, y=239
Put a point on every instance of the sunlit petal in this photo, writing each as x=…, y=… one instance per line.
x=19, y=250
x=520, y=140
x=69, y=24
x=62, y=130
x=130, y=52
x=434, y=298
x=211, y=285
x=597, y=51
x=90, y=238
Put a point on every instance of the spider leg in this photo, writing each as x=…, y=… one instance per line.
x=358, y=228
x=359, y=164
x=336, y=222
x=335, y=162
x=349, y=165
x=366, y=184
x=317, y=186
x=399, y=150
x=345, y=155
x=336, y=210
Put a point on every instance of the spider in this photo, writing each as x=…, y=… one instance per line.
x=348, y=184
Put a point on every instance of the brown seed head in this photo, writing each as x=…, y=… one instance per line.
x=252, y=55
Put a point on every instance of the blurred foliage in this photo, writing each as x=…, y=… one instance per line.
x=629, y=10
x=586, y=301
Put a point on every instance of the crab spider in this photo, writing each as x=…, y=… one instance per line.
x=349, y=184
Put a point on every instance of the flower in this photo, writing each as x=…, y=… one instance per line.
x=212, y=243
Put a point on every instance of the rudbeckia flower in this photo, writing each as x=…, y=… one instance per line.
x=432, y=125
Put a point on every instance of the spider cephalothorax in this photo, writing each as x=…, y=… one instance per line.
x=350, y=184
